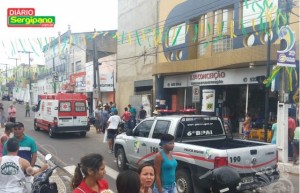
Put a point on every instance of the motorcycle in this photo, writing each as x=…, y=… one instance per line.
x=41, y=183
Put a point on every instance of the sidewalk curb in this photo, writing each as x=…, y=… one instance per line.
x=288, y=168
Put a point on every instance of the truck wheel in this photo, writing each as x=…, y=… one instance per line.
x=184, y=181
x=121, y=160
x=36, y=128
x=51, y=134
x=82, y=134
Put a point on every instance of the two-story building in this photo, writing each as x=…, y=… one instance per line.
x=194, y=56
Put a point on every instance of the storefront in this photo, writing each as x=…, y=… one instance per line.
x=208, y=91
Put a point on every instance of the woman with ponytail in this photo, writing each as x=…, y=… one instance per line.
x=89, y=173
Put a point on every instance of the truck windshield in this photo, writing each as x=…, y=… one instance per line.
x=190, y=128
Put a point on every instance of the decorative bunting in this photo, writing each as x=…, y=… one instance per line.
x=195, y=33
x=177, y=33
x=272, y=76
x=232, y=35
x=129, y=38
x=137, y=38
x=246, y=3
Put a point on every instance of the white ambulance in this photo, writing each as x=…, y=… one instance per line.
x=62, y=113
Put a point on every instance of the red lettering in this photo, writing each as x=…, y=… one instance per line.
x=20, y=12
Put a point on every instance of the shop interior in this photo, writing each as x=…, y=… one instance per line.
x=252, y=98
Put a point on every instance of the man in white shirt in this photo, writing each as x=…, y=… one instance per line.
x=13, y=167
x=113, y=123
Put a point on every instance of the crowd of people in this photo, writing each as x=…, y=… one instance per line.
x=108, y=121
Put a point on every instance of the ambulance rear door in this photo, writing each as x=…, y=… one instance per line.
x=80, y=113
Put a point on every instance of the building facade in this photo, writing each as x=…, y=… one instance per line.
x=205, y=54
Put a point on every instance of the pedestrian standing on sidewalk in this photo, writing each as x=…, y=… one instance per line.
x=146, y=172
x=247, y=126
x=274, y=133
x=89, y=175
x=5, y=136
x=12, y=112
x=126, y=117
x=27, y=108
x=128, y=182
x=113, y=123
x=165, y=166
x=104, y=117
x=98, y=113
x=291, y=130
x=132, y=110
x=2, y=117
x=296, y=146
x=142, y=114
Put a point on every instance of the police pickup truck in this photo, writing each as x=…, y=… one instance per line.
x=201, y=145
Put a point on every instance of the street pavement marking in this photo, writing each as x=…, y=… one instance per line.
x=109, y=171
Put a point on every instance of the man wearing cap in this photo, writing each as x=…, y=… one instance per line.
x=28, y=147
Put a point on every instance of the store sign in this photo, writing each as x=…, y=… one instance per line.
x=175, y=81
x=196, y=94
x=226, y=77
x=287, y=56
x=218, y=77
x=89, y=80
x=107, y=82
x=208, y=100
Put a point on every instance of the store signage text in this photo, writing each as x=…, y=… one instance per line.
x=210, y=75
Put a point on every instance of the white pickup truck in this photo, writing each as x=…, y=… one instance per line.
x=201, y=145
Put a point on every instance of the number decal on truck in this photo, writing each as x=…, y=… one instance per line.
x=235, y=159
x=153, y=149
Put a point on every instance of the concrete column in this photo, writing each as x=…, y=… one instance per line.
x=282, y=132
x=159, y=88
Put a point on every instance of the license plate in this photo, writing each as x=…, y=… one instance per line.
x=65, y=120
x=247, y=180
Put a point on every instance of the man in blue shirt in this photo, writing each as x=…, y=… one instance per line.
x=28, y=148
x=132, y=110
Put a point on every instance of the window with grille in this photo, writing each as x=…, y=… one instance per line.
x=222, y=45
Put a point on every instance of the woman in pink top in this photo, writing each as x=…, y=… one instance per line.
x=4, y=137
x=12, y=113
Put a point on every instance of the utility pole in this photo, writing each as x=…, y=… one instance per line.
x=283, y=100
x=5, y=75
x=266, y=123
x=96, y=69
x=30, y=93
x=54, y=75
x=16, y=74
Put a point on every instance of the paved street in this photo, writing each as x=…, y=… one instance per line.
x=67, y=150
